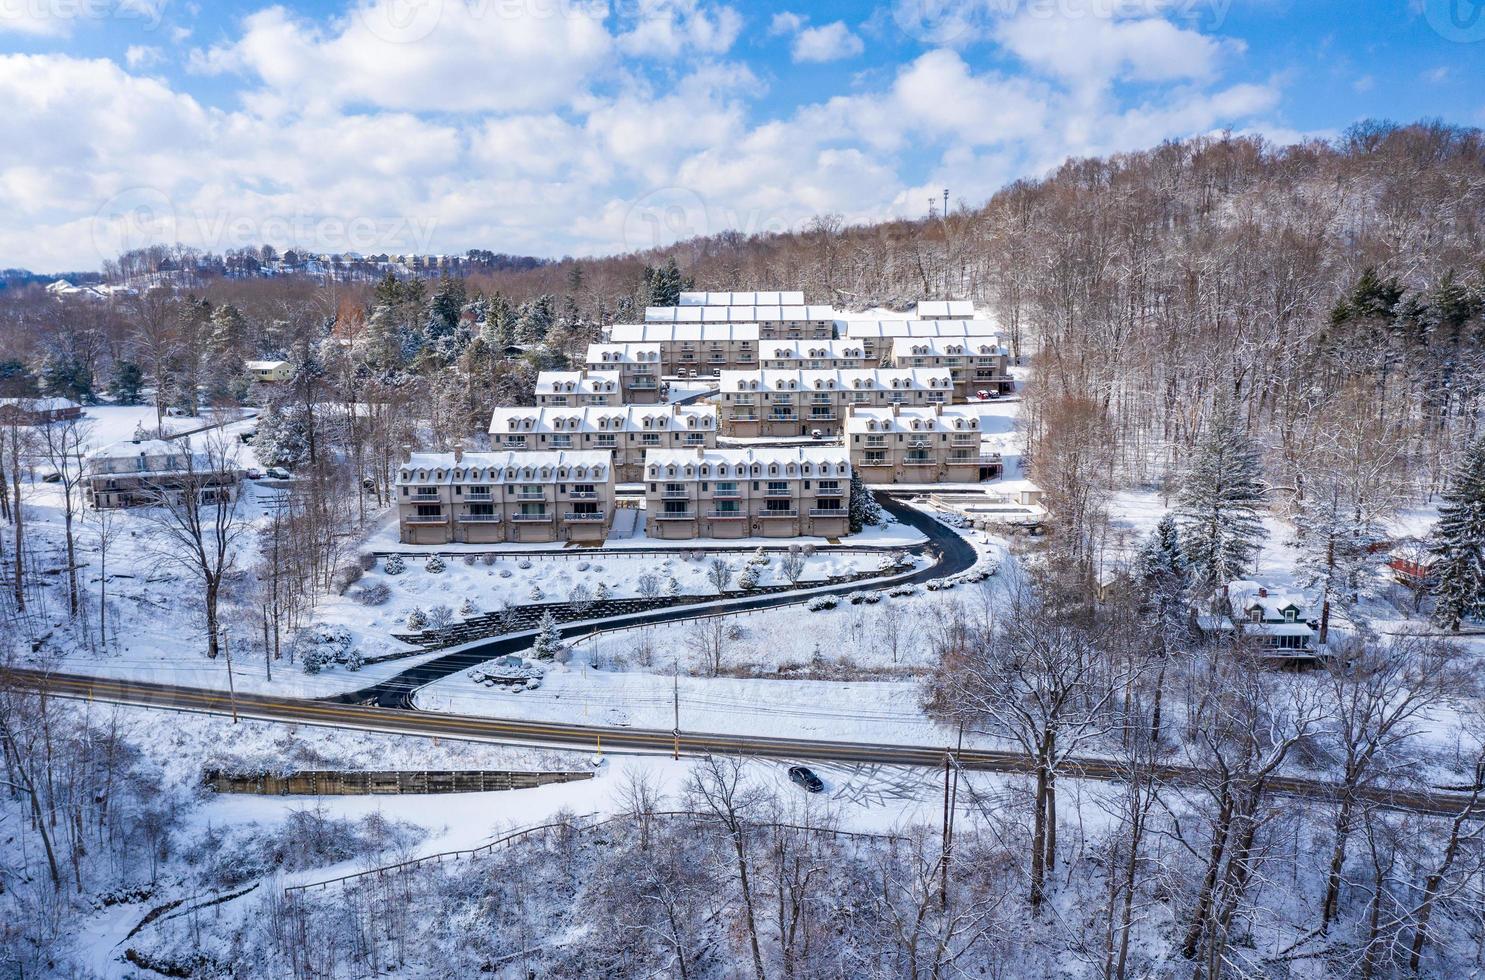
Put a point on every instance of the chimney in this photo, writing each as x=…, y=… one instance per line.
x=1262, y=592
x=458, y=451
x=406, y=451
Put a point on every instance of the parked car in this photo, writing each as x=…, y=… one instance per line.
x=52, y=477
x=253, y=473
x=817, y=434
x=277, y=473
x=806, y=779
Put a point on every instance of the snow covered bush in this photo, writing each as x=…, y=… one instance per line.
x=583, y=566
x=580, y=598
x=822, y=602
x=469, y=561
x=366, y=560
x=313, y=661
x=673, y=588
x=434, y=564
x=536, y=595
x=394, y=565
x=864, y=596
x=647, y=585
x=758, y=557
x=346, y=576
x=354, y=660
x=809, y=550
x=439, y=617
x=524, y=564
x=323, y=645
x=600, y=594
x=506, y=573
x=903, y=590
x=372, y=594
x=467, y=608
x=748, y=580
x=487, y=559
x=416, y=620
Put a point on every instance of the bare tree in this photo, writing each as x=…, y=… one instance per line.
x=197, y=519
x=720, y=573
x=719, y=786
x=63, y=444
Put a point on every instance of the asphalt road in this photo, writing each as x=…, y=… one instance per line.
x=954, y=555
x=593, y=737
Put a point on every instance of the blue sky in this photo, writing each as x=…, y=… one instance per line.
x=557, y=127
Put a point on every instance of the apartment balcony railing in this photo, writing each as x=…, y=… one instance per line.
x=674, y=515
x=778, y=513
x=870, y=461
x=828, y=512
x=744, y=416
x=594, y=516
x=675, y=494
x=583, y=494
x=479, y=495
x=830, y=492
x=777, y=492
x=530, y=494
x=641, y=384
x=530, y=518
x=719, y=492
x=783, y=418
x=727, y=515
x=917, y=459
x=818, y=416
x=427, y=519
x=425, y=495
x=479, y=518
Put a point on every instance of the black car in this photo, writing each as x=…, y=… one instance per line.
x=806, y=778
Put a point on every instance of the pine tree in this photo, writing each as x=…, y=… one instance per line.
x=1458, y=544
x=1164, y=581
x=864, y=507
x=126, y=382
x=1221, y=503
x=548, y=638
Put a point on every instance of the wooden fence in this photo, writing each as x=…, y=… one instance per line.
x=349, y=783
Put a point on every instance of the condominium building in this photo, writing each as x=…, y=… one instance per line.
x=803, y=403
x=639, y=368
x=626, y=432
x=813, y=355
x=877, y=335
x=737, y=493
x=691, y=349
x=724, y=298
x=579, y=388
x=977, y=364
x=148, y=472
x=491, y=497
x=795, y=322
x=919, y=445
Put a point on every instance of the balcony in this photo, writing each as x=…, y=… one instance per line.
x=778, y=513
x=592, y=517
x=583, y=494
x=479, y=518
x=822, y=416
x=778, y=492
x=744, y=417
x=643, y=384
x=531, y=518
x=830, y=492
x=726, y=494
x=917, y=459
x=828, y=512
x=479, y=495
x=425, y=495
x=783, y=418
x=674, y=515
x=531, y=494
x=675, y=494
x=727, y=515
x=426, y=519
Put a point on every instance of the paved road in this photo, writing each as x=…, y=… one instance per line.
x=954, y=555
x=562, y=735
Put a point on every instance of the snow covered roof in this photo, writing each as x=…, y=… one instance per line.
x=911, y=418
x=40, y=404
x=765, y=298
x=740, y=313
x=129, y=449
x=987, y=346
x=835, y=379
x=604, y=418
x=778, y=350
x=577, y=382
x=1243, y=596
x=760, y=461
x=863, y=329
x=932, y=309
x=265, y=365
x=507, y=466
x=599, y=354
x=650, y=333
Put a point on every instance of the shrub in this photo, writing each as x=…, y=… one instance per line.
x=367, y=561
x=416, y=619
x=524, y=563
x=600, y=594
x=536, y=595
x=583, y=566
x=372, y=594
x=434, y=564
x=758, y=557
x=673, y=588
x=821, y=602
x=346, y=576
x=749, y=578
x=487, y=559
x=354, y=660
x=469, y=560
x=439, y=617
x=505, y=573
x=467, y=608
x=394, y=565
x=809, y=550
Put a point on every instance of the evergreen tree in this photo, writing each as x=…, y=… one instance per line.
x=1458, y=544
x=283, y=436
x=548, y=638
x=534, y=321
x=126, y=382
x=499, y=331
x=1221, y=503
x=864, y=509
x=67, y=377
x=1164, y=581
x=663, y=286
x=16, y=380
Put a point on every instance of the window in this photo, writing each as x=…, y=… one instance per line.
x=584, y=490
x=649, y=438
x=585, y=507
x=776, y=506
x=1255, y=614
x=777, y=488
x=727, y=488
x=516, y=441
x=1288, y=615
x=429, y=510
x=675, y=506
x=563, y=441
x=607, y=440
x=727, y=507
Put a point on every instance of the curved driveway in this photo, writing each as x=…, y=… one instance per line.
x=954, y=555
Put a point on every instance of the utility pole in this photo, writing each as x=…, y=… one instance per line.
x=231, y=683
x=675, y=674
x=943, y=865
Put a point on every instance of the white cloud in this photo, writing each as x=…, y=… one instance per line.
x=670, y=28
x=141, y=56
x=828, y=43
x=1095, y=51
